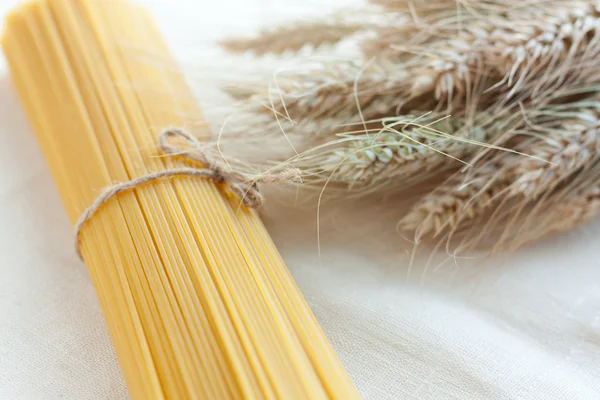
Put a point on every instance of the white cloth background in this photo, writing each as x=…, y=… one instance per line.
x=524, y=328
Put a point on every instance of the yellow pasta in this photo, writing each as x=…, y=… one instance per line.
x=198, y=302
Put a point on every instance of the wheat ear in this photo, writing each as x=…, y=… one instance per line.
x=579, y=210
x=575, y=205
x=292, y=38
x=323, y=101
x=407, y=150
x=558, y=154
x=459, y=200
x=560, y=145
x=544, y=44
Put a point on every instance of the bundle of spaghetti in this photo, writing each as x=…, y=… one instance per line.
x=198, y=302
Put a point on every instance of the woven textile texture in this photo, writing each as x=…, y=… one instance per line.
x=526, y=327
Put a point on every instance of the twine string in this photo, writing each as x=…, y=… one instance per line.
x=244, y=186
